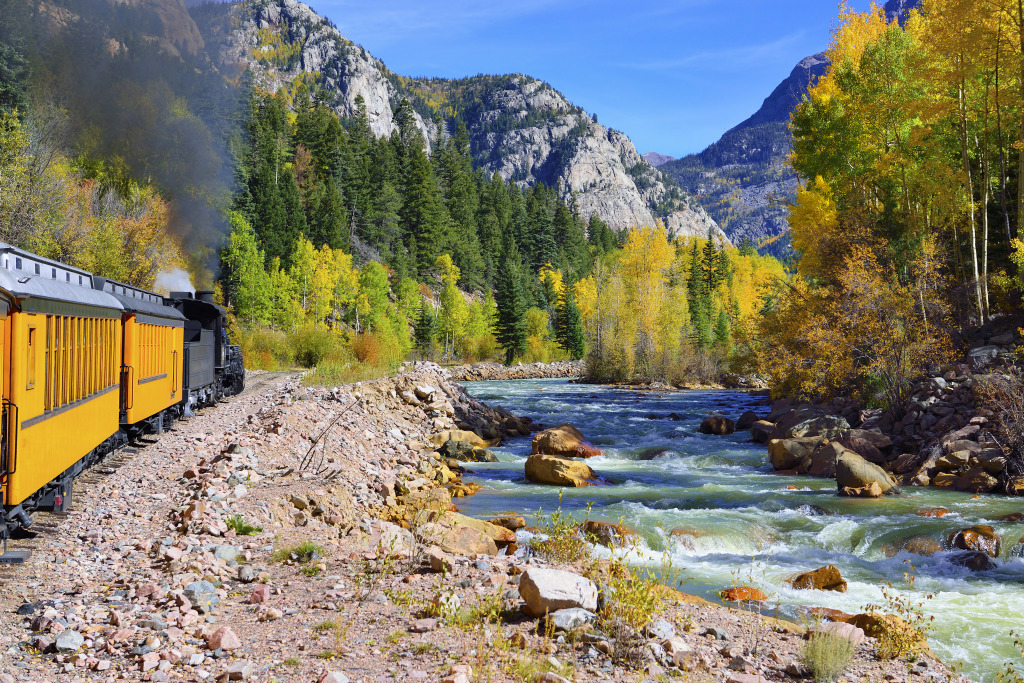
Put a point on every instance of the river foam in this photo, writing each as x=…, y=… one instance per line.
x=712, y=510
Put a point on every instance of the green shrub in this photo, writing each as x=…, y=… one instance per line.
x=827, y=655
x=311, y=345
x=241, y=527
x=302, y=553
x=265, y=349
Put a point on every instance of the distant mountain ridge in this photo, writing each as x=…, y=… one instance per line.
x=656, y=160
x=520, y=127
x=743, y=179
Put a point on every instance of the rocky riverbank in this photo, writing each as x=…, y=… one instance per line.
x=298, y=534
x=497, y=371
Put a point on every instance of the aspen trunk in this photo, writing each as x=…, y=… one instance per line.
x=970, y=195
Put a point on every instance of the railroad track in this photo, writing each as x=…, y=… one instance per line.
x=254, y=382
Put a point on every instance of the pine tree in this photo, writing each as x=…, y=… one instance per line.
x=722, y=333
x=569, y=332
x=426, y=327
x=423, y=213
x=510, y=296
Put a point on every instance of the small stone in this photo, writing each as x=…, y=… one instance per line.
x=69, y=641
x=223, y=639
x=239, y=671
x=334, y=677
x=225, y=552
x=423, y=625
x=661, y=629
x=260, y=594
x=568, y=619
x=203, y=596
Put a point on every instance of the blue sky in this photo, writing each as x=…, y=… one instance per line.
x=672, y=75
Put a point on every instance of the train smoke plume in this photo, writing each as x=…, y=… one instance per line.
x=176, y=280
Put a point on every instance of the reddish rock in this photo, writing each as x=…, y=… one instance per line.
x=826, y=578
x=975, y=561
x=564, y=440
x=978, y=538
x=608, y=535
x=743, y=594
x=223, y=639
x=1012, y=517
x=917, y=545
x=259, y=594
x=872, y=490
x=932, y=512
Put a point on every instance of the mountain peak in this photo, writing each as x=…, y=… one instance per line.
x=655, y=159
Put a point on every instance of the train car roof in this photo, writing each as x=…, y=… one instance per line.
x=30, y=276
x=137, y=300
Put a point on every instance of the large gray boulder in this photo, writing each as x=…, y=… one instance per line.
x=830, y=427
x=854, y=472
x=548, y=590
x=791, y=454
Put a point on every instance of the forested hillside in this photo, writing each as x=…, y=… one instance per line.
x=518, y=126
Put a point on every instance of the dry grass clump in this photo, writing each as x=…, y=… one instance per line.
x=827, y=655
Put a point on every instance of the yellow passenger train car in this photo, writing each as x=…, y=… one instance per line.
x=86, y=365
x=153, y=340
x=60, y=364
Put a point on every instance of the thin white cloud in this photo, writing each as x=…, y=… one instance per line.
x=729, y=58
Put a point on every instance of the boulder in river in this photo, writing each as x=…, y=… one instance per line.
x=464, y=452
x=743, y=594
x=653, y=453
x=548, y=590
x=975, y=561
x=558, y=471
x=916, y=545
x=606, y=534
x=976, y=480
x=747, y=419
x=789, y=454
x=854, y=472
x=762, y=431
x=872, y=446
x=823, y=460
x=826, y=578
x=872, y=490
x=718, y=425
x=472, y=438
x=563, y=440
x=978, y=538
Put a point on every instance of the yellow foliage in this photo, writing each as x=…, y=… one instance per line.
x=814, y=225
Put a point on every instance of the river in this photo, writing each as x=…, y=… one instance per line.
x=742, y=524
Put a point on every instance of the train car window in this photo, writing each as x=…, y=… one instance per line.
x=31, y=369
x=37, y=269
x=17, y=264
x=65, y=359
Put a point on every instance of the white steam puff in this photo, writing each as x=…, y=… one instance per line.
x=176, y=280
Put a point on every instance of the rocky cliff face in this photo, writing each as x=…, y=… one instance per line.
x=744, y=180
x=520, y=127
